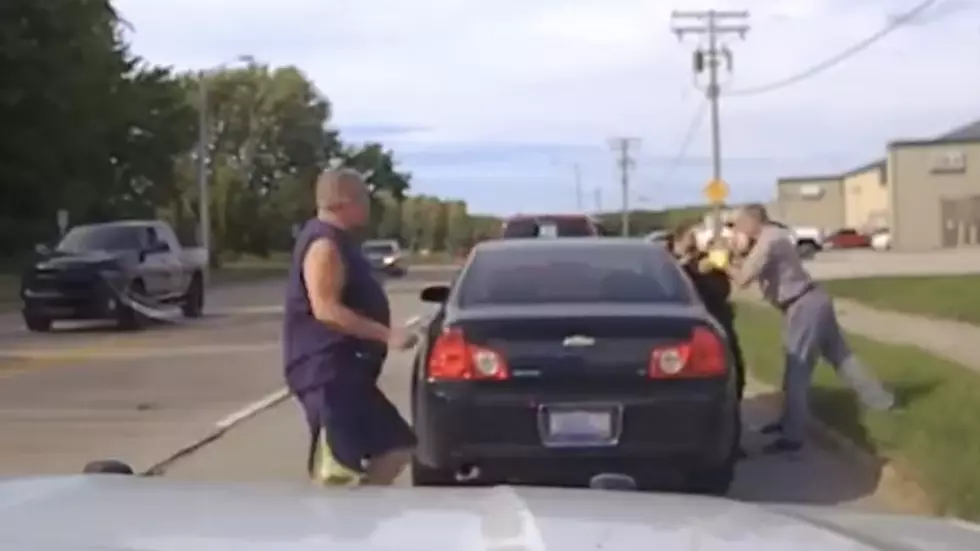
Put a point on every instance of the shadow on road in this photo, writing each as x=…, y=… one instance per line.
x=819, y=475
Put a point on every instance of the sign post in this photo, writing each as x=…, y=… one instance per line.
x=716, y=191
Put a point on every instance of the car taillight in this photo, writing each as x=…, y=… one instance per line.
x=454, y=359
x=702, y=356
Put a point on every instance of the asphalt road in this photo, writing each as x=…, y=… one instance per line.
x=84, y=393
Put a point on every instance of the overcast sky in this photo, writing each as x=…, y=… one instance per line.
x=493, y=101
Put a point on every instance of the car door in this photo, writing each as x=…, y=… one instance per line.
x=178, y=274
x=845, y=239
x=157, y=264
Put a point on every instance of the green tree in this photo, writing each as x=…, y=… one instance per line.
x=267, y=145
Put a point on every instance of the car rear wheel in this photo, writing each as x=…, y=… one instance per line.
x=36, y=323
x=427, y=476
x=716, y=481
x=193, y=305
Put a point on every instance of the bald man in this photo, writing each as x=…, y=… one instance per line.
x=810, y=327
x=337, y=333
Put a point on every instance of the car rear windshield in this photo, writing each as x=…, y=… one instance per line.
x=102, y=238
x=549, y=227
x=565, y=275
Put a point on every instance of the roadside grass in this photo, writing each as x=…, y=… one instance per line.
x=945, y=297
x=935, y=433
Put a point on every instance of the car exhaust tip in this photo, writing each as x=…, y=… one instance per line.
x=613, y=481
x=108, y=466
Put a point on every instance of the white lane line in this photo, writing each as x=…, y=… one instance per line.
x=218, y=430
x=226, y=423
x=252, y=409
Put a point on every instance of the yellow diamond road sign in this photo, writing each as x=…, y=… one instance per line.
x=716, y=191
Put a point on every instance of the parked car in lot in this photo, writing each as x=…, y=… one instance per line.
x=549, y=361
x=881, y=240
x=385, y=256
x=550, y=225
x=658, y=236
x=97, y=271
x=847, y=238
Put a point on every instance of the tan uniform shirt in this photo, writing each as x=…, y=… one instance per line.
x=777, y=266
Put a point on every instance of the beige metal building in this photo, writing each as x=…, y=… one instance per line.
x=934, y=191
x=926, y=191
x=866, y=197
x=816, y=201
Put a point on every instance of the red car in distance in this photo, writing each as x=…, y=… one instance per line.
x=847, y=238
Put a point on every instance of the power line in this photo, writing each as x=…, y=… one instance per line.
x=895, y=23
x=686, y=141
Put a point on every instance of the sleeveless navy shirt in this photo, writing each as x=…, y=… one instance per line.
x=313, y=353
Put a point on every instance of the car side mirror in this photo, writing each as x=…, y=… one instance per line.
x=42, y=249
x=435, y=293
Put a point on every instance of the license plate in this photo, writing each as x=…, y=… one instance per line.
x=580, y=425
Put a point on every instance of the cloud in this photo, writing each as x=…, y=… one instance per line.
x=478, y=95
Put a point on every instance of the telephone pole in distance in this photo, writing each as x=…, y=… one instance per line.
x=625, y=162
x=715, y=25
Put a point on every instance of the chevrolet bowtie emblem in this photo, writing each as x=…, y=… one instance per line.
x=578, y=340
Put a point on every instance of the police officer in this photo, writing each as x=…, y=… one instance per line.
x=810, y=328
x=714, y=288
x=337, y=333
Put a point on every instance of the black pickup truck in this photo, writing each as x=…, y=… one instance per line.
x=109, y=271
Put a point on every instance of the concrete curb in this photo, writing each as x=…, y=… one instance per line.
x=896, y=485
x=217, y=431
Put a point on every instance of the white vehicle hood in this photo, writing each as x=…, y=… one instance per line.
x=120, y=513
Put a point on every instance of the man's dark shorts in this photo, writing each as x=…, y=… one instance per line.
x=358, y=419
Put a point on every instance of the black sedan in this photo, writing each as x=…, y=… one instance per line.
x=553, y=361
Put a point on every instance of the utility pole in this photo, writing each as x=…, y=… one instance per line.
x=203, y=146
x=203, y=201
x=578, y=188
x=597, y=198
x=715, y=25
x=625, y=163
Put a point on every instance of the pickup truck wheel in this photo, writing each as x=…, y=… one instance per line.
x=127, y=318
x=193, y=305
x=36, y=323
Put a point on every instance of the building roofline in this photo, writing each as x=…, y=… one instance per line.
x=878, y=164
x=807, y=179
x=927, y=143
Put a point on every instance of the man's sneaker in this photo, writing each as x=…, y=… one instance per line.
x=772, y=428
x=782, y=446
